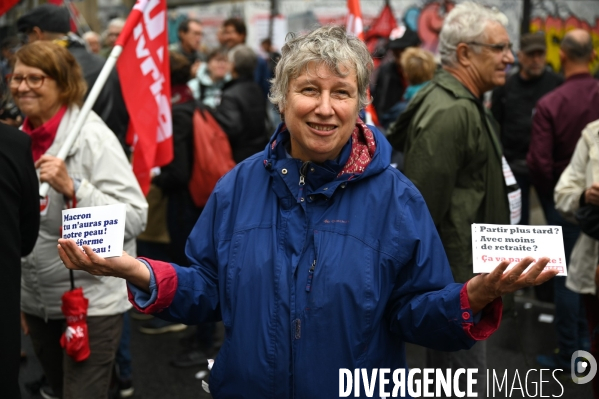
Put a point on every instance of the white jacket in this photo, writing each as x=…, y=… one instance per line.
x=98, y=160
x=580, y=174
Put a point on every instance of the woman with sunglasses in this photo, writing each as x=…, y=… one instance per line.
x=48, y=87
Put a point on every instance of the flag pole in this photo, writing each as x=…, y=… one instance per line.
x=95, y=92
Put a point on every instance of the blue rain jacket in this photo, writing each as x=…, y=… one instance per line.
x=336, y=273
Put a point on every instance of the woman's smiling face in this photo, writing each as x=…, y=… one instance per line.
x=320, y=112
x=39, y=104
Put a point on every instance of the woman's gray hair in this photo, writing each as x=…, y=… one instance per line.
x=327, y=45
x=466, y=23
x=244, y=60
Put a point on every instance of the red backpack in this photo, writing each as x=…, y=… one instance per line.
x=212, y=156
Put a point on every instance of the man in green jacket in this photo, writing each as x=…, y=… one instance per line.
x=451, y=151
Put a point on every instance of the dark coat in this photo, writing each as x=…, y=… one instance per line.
x=513, y=107
x=20, y=216
x=388, y=89
x=175, y=176
x=242, y=115
x=173, y=180
x=110, y=105
x=559, y=118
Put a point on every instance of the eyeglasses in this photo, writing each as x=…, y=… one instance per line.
x=34, y=81
x=504, y=48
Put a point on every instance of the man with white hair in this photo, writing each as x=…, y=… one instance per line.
x=93, y=41
x=109, y=36
x=452, y=153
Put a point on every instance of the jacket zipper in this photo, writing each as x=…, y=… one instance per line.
x=302, y=181
x=310, y=276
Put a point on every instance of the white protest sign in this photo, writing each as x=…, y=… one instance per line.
x=100, y=227
x=493, y=243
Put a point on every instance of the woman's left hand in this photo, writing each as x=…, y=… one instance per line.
x=484, y=288
x=54, y=171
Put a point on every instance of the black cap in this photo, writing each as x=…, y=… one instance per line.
x=403, y=37
x=47, y=17
x=530, y=42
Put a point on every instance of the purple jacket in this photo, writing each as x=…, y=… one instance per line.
x=558, y=120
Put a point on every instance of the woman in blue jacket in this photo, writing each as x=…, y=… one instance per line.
x=316, y=253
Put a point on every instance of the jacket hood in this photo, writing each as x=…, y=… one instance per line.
x=398, y=131
x=276, y=151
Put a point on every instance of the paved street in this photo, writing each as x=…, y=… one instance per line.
x=514, y=347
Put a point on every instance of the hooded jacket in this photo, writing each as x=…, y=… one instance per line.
x=453, y=157
x=310, y=278
x=106, y=178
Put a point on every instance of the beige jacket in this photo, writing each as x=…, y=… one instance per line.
x=580, y=174
x=98, y=160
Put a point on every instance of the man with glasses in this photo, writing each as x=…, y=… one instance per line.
x=452, y=153
x=112, y=32
x=513, y=105
x=559, y=118
x=190, y=34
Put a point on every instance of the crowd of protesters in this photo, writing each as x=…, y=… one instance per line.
x=458, y=124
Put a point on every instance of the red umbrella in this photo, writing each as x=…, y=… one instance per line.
x=75, y=339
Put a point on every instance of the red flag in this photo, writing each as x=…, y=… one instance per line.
x=354, y=24
x=144, y=73
x=7, y=5
x=382, y=25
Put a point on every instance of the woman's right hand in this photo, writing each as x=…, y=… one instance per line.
x=125, y=266
x=54, y=171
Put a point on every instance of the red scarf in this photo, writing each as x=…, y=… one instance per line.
x=43, y=136
x=363, y=147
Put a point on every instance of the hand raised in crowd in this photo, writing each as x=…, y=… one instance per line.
x=194, y=68
x=124, y=266
x=54, y=171
x=484, y=288
x=591, y=195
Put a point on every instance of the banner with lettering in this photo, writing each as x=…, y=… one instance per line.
x=144, y=73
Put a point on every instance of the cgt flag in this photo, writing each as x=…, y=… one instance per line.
x=144, y=72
